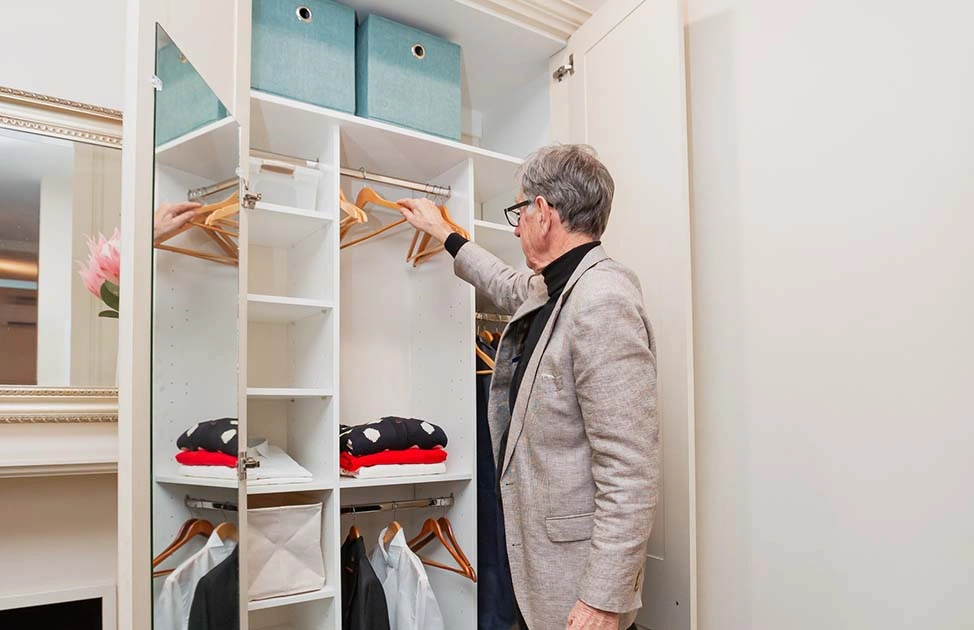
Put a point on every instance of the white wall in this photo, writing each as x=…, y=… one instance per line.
x=55, y=276
x=57, y=532
x=64, y=48
x=833, y=151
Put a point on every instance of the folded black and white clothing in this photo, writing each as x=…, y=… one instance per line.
x=212, y=435
x=391, y=433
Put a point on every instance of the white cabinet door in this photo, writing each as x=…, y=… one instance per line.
x=627, y=98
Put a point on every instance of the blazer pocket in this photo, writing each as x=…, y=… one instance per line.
x=551, y=380
x=570, y=528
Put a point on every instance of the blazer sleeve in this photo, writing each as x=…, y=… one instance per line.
x=503, y=284
x=615, y=380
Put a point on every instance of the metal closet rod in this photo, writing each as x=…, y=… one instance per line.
x=391, y=506
x=195, y=194
x=359, y=173
x=493, y=317
x=206, y=504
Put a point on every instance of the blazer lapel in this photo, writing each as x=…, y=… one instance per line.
x=591, y=259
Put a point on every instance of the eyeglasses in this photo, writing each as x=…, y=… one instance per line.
x=513, y=213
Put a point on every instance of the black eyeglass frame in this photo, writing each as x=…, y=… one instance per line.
x=515, y=212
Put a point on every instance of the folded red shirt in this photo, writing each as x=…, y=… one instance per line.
x=206, y=458
x=351, y=463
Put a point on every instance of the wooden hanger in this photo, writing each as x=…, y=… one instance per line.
x=365, y=197
x=354, y=533
x=198, y=527
x=225, y=239
x=423, y=254
x=485, y=358
x=227, y=531
x=354, y=214
x=391, y=531
x=434, y=530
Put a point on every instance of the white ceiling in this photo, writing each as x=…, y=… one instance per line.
x=590, y=5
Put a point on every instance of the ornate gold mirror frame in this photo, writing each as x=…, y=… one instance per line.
x=78, y=122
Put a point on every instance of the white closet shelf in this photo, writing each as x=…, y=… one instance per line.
x=287, y=126
x=496, y=227
x=183, y=480
x=282, y=226
x=326, y=592
x=314, y=485
x=286, y=393
x=210, y=151
x=499, y=240
x=351, y=482
x=283, y=310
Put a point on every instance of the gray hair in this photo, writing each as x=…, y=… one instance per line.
x=572, y=179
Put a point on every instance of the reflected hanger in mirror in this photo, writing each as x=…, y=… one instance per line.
x=224, y=239
x=199, y=527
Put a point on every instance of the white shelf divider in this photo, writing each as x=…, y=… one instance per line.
x=283, y=310
x=210, y=151
x=288, y=393
x=326, y=592
x=282, y=226
x=287, y=126
x=183, y=480
x=315, y=485
x=351, y=482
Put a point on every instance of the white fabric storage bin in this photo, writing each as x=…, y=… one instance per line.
x=285, y=184
x=284, y=555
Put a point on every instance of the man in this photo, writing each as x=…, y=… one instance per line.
x=573, y=397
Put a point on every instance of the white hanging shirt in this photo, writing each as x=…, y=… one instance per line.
x=410, y=599
x=175, y=600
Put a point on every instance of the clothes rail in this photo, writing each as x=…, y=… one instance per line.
x=280, y=157
x=195, y=194
x=391, y=506
x=360, y=173
x=493, y=317
x=429, y=189
x=206, y=504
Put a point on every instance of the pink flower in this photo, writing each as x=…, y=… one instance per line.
x=92, y=277
x=105, y=256
x=104, y=263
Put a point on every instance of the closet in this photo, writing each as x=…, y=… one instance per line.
x=302, y=335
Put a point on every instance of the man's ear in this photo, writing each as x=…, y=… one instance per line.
x=547, y=212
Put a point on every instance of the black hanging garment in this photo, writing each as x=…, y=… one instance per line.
x=391, y=433
x=495, y=591
x=216, y=601
x=212, y=435
x=363, y=599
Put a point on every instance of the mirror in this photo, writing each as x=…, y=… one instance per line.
x=194, y=343
x=59, y=209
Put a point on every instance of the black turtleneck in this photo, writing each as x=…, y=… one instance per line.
x=556, y=276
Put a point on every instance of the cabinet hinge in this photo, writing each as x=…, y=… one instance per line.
x=243, y=463
x=562, y=71
x=250, y=200
x=157, y=83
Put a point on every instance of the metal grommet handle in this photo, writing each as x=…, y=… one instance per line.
x=419, y=51
x=303, y=13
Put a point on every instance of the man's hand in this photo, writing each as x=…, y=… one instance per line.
x=172, y=216
x=423, y=215
x=584, y=617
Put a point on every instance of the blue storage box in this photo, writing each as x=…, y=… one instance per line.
x=185, y=102
x=407, y=77
x=305, y=50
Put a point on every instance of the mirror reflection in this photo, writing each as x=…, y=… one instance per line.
x=194, y=351
x=59, y=263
